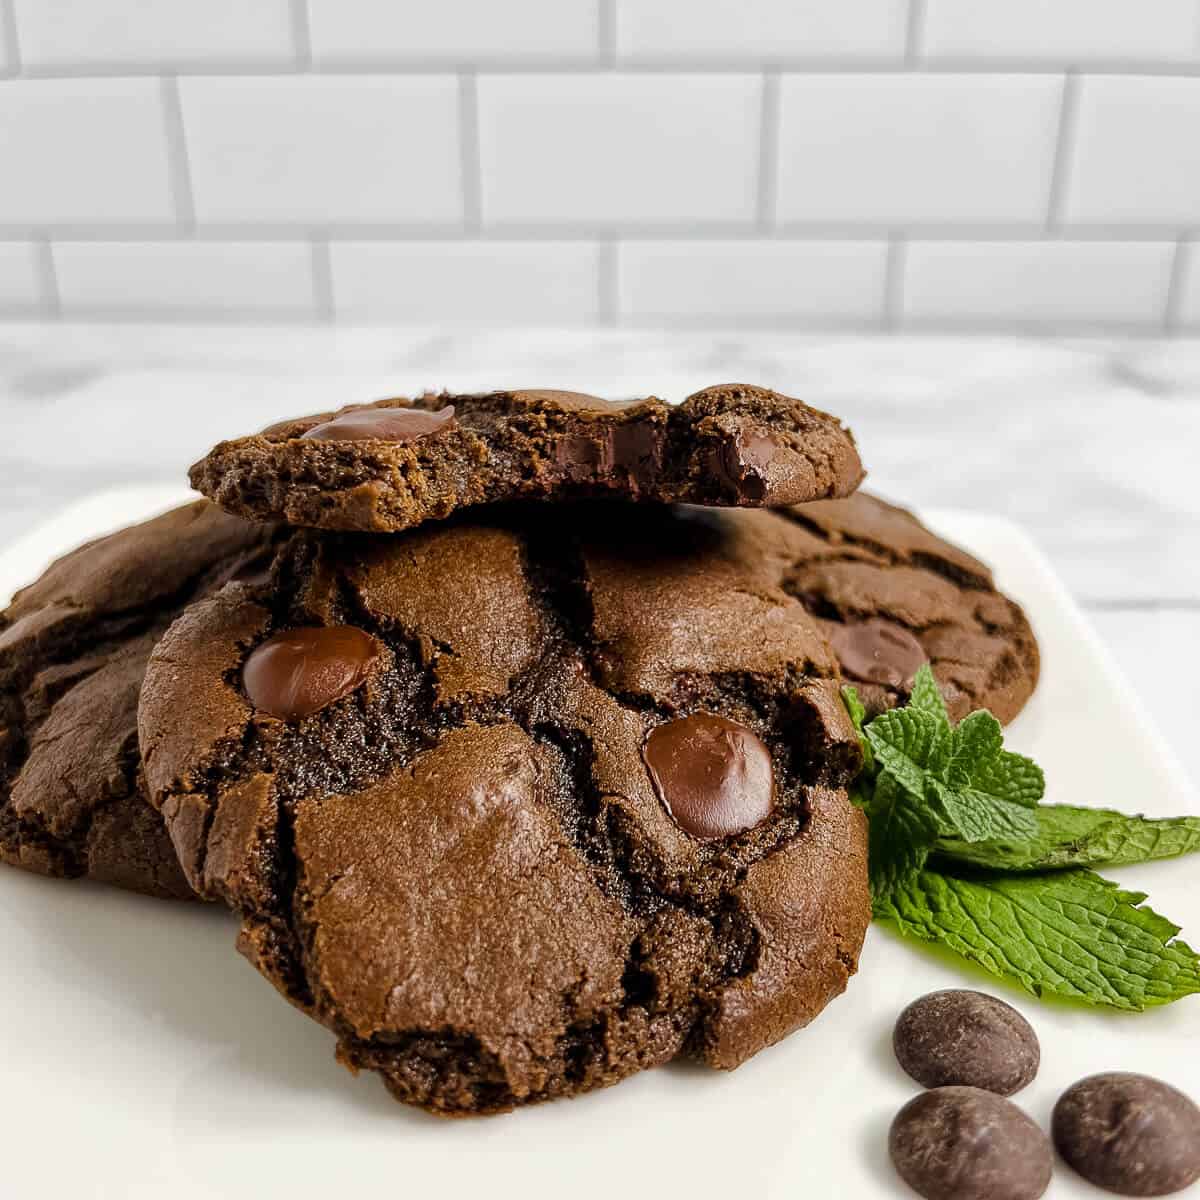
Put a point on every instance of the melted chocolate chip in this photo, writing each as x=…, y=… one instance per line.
x=714, y=776
x=630, y=452
x=384, y=424
x=878, y=652
x=744, y=463
x=298, y=672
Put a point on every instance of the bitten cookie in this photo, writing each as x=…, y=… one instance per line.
x=890, y=595
x=519, y=807
x=73, y=650
x=395, y=464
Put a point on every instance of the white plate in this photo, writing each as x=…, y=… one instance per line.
x=142, y=1058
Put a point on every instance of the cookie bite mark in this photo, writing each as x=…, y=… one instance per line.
x=383, y=424
x=394, y=464
x=300, y=671
x=714, y=776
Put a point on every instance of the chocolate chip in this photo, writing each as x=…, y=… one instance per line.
x=385, y=424
x=1129, y=1134
x=962, y=1143
x=878, y=652
x=713, y=775
x=965, y=1037
x=298, y=672
x=744, y=462
x=621, y=454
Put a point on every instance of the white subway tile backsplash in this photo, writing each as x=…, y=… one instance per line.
x=82, y=150
x=61, y=33
x=1189, y=307
x=752, y=280
x=611, y=149
x=8, y=62
x=1137, y=152
x=762, y=30
x=452, y=30
x=1036, y=282
x=324, y=150
x=186, y=277
x=20, y=280
x=1065, y=31
x=505, y=282
x=890, y=149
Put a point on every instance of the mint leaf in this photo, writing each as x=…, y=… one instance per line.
x=1067, y=933
x=910, y=744
x=974, y=744
x=901, y=834
x=980, y=817
x=927, y=697
x=1069, y=836
x=1011, y=777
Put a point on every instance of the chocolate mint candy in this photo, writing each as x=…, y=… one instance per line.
x=299, y=672
x=965, y=1037
x=962, y=1143
x=1130, y=1134
x=714, y=775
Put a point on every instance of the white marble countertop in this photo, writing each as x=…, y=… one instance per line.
x=1092, y=445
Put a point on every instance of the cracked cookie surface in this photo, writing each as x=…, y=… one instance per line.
x=890, y=594
x=73, y=650
x=462, y=862
x=395, y=464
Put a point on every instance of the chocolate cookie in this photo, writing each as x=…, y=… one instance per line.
x=890, y=595
x=521, y=806
x=395, y=464
x=73, y=650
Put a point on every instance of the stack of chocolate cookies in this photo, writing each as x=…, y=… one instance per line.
x=510, y=725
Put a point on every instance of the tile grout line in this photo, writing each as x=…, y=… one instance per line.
x=1063, y=148
x=301, y=35
x=606, y=32
x=914, y=35
x=593, y=65
x=607, y=282
x=11, y=66
x=768, y=151
x=893, y=283
x=784, y=232
x=48, y=277
x=322, y=273
x=469, y=151
x=179, y=172
x=1172, y=316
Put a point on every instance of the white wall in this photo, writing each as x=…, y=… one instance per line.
x=867, y=163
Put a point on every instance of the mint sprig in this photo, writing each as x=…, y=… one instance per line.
x=963, y=854
x=1069, y=934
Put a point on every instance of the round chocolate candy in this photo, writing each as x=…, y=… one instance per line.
x=965, y=1037
x=877, y=651
x=1129, y=1134
x=713, y=775
x=298, y=672
x=385, y=424
x=962, y=1143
